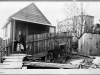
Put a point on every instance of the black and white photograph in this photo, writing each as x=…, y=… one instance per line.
x=49, y=35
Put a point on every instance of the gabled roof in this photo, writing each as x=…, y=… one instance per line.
x=30, y=14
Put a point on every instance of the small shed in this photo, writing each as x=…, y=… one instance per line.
x=29, y=21
x=89, y=44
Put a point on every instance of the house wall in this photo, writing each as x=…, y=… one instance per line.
x=89, y=44
x=7, y=33
x=1, y=42
x=89, y=20
x=7, y=38
x=65, y=25
x=87, y=24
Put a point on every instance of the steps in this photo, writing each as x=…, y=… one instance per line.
x=14, y=61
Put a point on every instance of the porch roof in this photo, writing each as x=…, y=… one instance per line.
x=30, y=14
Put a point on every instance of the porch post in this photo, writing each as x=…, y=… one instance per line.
x=26, y=38
x=54, y=36
x=13, y=39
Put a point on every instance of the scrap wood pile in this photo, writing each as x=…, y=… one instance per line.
x=53, y=65
x=93, y=63
x=79, y=63
x=86, y=63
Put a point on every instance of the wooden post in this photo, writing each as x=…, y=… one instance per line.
x=1, y=55
x=35, y=47
x=71, y=44
x=30, y=49
x=38, y=46
x=46, y=41
x=13, y=36
x=45, y=45
x=26, y=37
x=34, y=43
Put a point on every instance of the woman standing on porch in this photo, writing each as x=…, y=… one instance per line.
x=20, y=42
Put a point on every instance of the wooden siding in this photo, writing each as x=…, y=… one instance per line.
x=45, y=42
x=31, y=14
x=89, y=44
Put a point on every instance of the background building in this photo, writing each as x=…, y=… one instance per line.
x=89, y=44
x=77, y=25
x=83, y=24
x=65, y=25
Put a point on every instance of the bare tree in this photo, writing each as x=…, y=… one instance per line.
x=76, y=13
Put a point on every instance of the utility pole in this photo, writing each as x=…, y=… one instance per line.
x=81, y=17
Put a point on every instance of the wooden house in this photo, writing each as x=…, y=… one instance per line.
x=65, y=25
x=88, y=22
x=29, y=21
x=89, y=44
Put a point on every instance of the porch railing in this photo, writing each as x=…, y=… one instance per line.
x=5, y=51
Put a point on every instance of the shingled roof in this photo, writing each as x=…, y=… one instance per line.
x=31, y=14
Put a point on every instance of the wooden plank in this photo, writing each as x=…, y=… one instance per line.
x=45, y=44
x=42, y=54
x=31, y=48
x=59, y=37
x=14, y=60
x=54, y=65
x=13, y=57
x=17, y=54
x=11, y=65
x=13, y=35
x=37, y=47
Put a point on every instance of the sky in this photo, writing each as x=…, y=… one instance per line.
x=53, y=11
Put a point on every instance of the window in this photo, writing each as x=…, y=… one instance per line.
x=6, y=31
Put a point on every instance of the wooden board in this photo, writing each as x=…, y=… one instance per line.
x=43, y=54
x=52, y=65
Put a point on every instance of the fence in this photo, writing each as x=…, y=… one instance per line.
x=6, y=49
x=45, y=42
